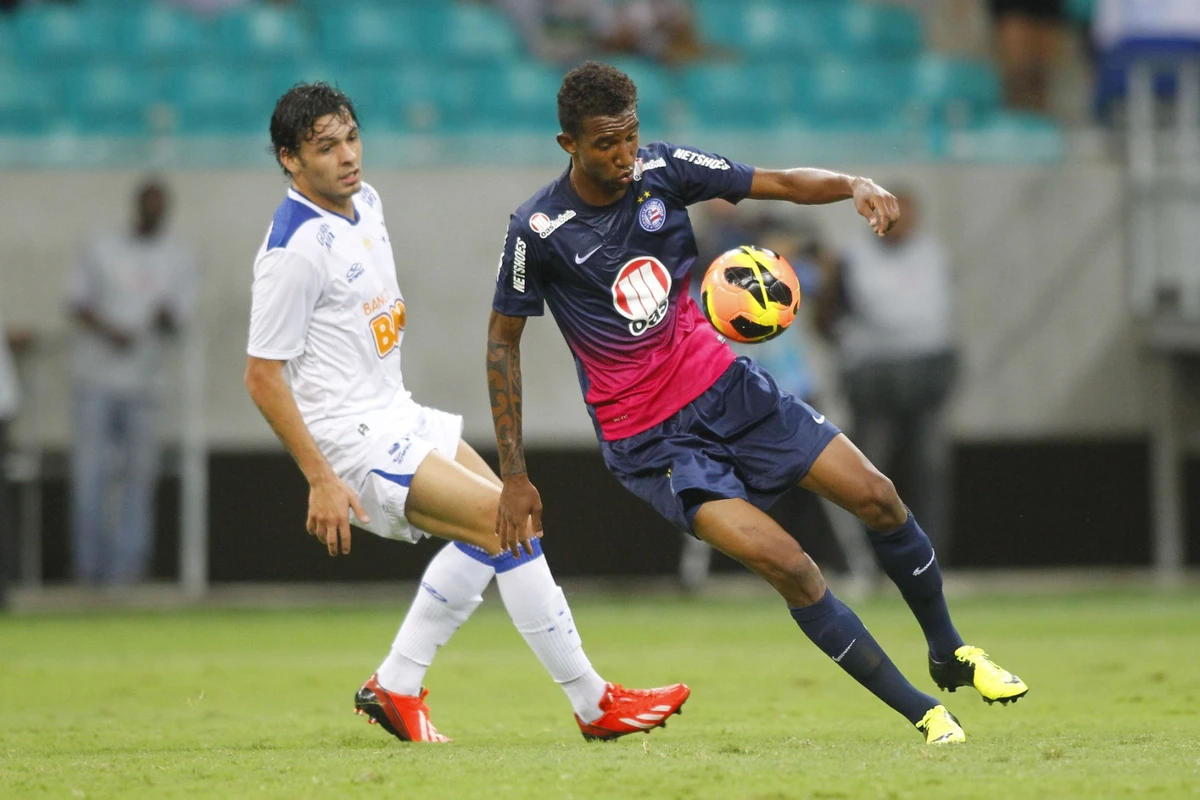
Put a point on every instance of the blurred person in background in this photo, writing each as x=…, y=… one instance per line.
x=889, y=308
x=130, y=291
x=785, y=357
x=9, y=399
x=1028, y=34
x=567, y=30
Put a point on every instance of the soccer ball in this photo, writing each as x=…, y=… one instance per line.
x=750, y=294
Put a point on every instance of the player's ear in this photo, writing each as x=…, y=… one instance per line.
x=567, y=142
x=290, y=160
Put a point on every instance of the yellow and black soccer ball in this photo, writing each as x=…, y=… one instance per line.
x=750, y=294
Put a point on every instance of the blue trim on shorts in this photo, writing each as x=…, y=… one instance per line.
x=504, y=562
x=402, y=480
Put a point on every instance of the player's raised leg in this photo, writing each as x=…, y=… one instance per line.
x=455, y=501
x=741, y=531
x=842, y=474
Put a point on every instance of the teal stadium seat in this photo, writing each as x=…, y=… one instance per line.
x=858, y=94
x=877, y=32
x=213, y=100
x=657, y=95
x=265, y=36
x=110, y=100
x=522, y=96
x=952, y=91
x=753, y=97
x=468, y=35
x=766, y=30
x=58, y=37
x=369, y=34
x=26, y=105
x=419, y=98
x=161, y=36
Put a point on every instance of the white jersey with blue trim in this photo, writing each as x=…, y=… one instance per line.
x=325, y=300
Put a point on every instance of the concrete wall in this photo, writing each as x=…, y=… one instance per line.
x=1038, y=254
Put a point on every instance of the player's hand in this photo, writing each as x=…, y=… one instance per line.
x=876, y=204
x=329, y=503
x=519, y=517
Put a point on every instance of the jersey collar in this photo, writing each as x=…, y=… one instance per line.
x=299, y=198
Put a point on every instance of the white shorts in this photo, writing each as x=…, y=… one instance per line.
x=377, y=455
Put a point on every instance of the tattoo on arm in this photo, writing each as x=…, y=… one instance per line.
x=504, y=388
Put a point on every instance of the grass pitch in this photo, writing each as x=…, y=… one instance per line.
x=258, y=704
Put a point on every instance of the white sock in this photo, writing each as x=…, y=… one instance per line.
x=540, y=612
x=451, y=588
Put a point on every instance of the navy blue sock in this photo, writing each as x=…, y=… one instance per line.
x=908, y=559
x=840, y=634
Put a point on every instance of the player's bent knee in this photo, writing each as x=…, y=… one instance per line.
x=878, y=505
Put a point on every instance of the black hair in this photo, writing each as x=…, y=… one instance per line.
x=593, y=90
x=297, y=111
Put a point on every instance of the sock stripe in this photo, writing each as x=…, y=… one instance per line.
x=507, y=561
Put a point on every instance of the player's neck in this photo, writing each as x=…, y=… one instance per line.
x=345, y=209
x=591, y=192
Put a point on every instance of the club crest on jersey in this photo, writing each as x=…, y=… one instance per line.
x=652, y=215
x=543, y=226
x=640, y=293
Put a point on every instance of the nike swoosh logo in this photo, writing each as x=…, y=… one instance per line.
x=838, y=660
x=579, y=259
x=919, y=570
x=819, y=419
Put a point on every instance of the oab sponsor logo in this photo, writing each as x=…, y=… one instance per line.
x=543, y=226
x=640, y=292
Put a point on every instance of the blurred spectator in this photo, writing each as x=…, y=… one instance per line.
x=1028, y=35
x=9, y=393
x=889, y=308
x=1166, y=33
x=568, y=30
x=785, y=357
x=130, y=290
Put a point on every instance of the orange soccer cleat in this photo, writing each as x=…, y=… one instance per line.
x=633, y=710
x=403, y=716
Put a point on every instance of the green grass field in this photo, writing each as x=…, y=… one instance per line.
x=258, y=703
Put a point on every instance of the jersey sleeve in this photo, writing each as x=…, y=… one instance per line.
x=697, y=176
x=519, y=279
x=286, y=289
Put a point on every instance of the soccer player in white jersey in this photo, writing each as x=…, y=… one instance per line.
x=326, y=323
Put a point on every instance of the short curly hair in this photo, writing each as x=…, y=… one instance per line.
x=593, y=90
x=297, y=111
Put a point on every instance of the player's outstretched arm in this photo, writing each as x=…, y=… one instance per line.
x=520, y=502
x=809, y=186
x=329, y=498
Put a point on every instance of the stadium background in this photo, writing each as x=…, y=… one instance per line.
x=1056, y=417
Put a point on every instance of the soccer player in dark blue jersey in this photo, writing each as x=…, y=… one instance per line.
x=706, y=438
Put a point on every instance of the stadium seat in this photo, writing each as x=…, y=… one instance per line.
x=369, y=34
x=26, y=107
x=163, y=36
x=871, y=31
x=1007, y=137
x=740, y=96
x=954, y=91
x=61, y=36
x=658, y=100
x=464, y=34
x=214, y=100
x=521, y=96
x=110, y=100
x=427, y=99
x=264, y=36
x=859, y=93
x=773, y=30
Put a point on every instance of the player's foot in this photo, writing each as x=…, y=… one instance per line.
x=939, y=726
x=403, y=716
x=633, y=710
x=972, y=667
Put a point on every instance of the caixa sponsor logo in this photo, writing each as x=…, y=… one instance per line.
x=543, y=226
x=640, y=293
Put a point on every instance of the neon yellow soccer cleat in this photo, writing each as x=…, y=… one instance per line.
x=941, y=727
x=972, y=667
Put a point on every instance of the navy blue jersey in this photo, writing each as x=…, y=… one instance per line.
x=616, y=277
